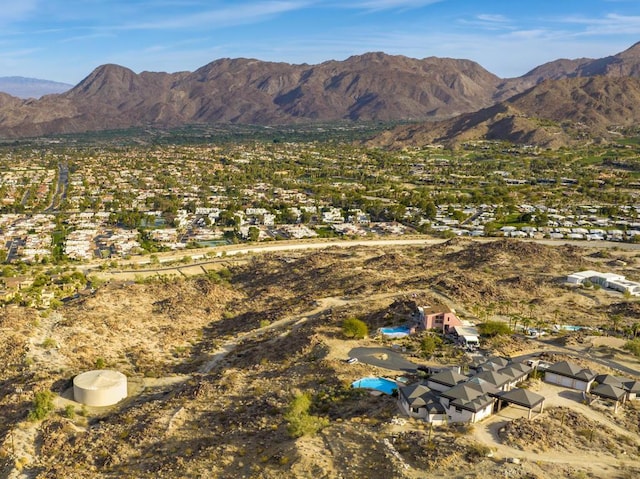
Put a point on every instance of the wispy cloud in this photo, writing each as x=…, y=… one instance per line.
x=610, y=24
x=488, y=22
x=20, y=53
x=12, y=10
x=492, y=18
x=536, y=33
x=90, y=36
x=238, y=14
x=378, y=5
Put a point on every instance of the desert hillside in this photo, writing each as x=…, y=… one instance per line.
x=214, y=362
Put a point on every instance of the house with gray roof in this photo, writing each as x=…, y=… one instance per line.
x=467, y=402
x=492, y=364
x=517, y=373
x=633, y=389
x=499, y=380
x=570, y=375
x=610, y=379
x=445, y=380
x=611, y=392
x=420, y=402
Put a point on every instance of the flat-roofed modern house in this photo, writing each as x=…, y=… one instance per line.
x=616, y=282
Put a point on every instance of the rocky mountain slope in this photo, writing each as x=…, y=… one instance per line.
x=373, y=86
x=551, y=114
x=624, y=64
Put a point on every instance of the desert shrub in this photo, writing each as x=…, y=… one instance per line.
x=478, y=450
x=69, y=411
x=633, y=347
x=354, y=328
x=49, y=343
x=493, y=328
x=42, y=406
x=219, y=276
x=429, y=344
x=300, y=421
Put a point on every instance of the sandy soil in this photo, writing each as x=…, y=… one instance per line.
x=218, y=363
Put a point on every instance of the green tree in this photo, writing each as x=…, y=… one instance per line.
x=616, y=321
x=254, y=233
x=430, y=210
x=494, y=328
x=633, y=346
x=299, y=421
x=354, y=328
x=42, y=405
x=429, y=345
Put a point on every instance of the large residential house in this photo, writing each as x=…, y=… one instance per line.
x=449, y=396
x=420, y=402
x=439, y=317
x=469, y=402
x=614, y=281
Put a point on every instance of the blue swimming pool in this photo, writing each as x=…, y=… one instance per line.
x=566, y=327
x=398, y=332
x=386, y=386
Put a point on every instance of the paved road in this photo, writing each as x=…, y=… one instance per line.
x=584, y=354
x=205, y=254
x=394, y=361
x=61, y=190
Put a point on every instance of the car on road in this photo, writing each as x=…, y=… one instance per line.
x=352, y=360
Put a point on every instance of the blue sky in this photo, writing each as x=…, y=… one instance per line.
x=65, y=40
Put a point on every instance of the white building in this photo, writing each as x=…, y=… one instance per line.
x=617, y=282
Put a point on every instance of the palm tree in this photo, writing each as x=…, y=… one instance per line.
x=526, y=323
x=513, y=321
x=616, y=321
x=506, y=307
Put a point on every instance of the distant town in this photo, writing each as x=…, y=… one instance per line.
x=65, y=203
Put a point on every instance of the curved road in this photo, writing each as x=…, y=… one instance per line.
x=372, y=356
x=213, y=255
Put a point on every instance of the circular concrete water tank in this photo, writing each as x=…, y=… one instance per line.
x=100, y=388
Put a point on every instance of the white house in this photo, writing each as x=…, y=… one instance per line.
x=613, y=281
x=467, y=402
x=420, y=402
x=570, y=375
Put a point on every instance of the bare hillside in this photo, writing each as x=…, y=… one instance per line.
x=213, y=366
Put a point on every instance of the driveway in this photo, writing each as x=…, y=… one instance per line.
x=373, y=356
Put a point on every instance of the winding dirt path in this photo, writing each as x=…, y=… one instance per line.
x=600, y=464
x=22, y=439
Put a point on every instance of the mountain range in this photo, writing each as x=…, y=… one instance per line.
x=457, y=100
